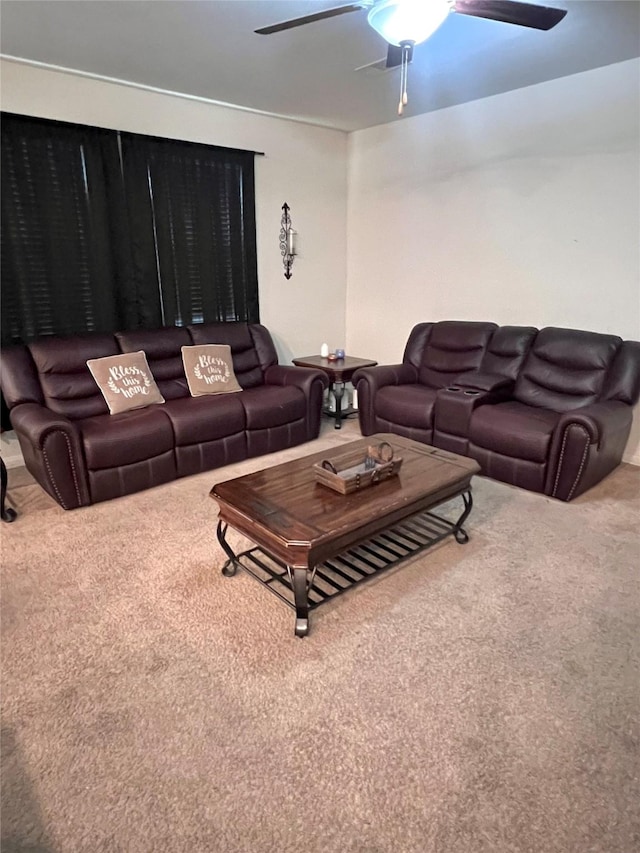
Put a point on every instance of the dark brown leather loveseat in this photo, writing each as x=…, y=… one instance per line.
x=548, y=410
x=80, y=454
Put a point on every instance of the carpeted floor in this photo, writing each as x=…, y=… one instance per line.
x=479, y=699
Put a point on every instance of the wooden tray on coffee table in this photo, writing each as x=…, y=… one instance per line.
x=353, y=470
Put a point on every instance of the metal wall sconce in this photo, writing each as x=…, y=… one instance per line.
x=287, y=241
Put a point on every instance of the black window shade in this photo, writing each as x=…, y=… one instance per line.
x=193, y=210
x=59, y=271
x=104, y=230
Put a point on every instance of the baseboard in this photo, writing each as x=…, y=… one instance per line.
x=632, y=460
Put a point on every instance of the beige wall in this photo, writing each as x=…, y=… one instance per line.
x=303, y=165
x=523, y=208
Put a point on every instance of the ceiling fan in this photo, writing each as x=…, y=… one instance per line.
x=406, y=23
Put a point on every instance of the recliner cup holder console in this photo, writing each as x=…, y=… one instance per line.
x=470, y=392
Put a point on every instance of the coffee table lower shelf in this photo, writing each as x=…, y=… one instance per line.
x=303, y=590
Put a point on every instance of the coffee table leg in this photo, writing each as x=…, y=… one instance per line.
x=460, y=534
x=230, y=567
x=301, y=598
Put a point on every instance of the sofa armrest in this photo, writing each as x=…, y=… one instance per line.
x=384, y=374
x=302, y=377
x=312, y=384
x=485, y=382
x=588, y=443
x=369, y=380
x=599, y=419
x=52, y=452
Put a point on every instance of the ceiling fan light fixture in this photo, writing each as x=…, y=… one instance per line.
x=414, y=21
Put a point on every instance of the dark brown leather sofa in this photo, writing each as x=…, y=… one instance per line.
x=547, y=410
x=80, y=454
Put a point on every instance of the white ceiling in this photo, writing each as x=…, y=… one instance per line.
x=207, y=48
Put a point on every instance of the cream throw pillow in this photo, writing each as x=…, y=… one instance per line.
x=126, y=381
x=209, y=369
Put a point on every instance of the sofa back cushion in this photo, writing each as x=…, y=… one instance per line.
x=67, y=385
x=163, y=348
x=416, y=344
x=451, y=348
x=251, y=347
x=507, y=350
x=19, y=377
x=566, y=369
x=623, y=380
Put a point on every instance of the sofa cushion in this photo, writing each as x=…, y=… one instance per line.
x=409, y=405
x=246, y=360
x=196, y=420
x=453, y=347
x=125, y=381
x=67, y=384
x=112, y=441
x=513, y=429
x=507, y=350
x=209, y=369
x=623, y=380
x=566, y=369
x=162, y=348
x=273, y=405
x=19, y=377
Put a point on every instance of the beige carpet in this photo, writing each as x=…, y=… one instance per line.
x=479, y=699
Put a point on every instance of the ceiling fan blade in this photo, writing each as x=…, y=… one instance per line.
x=309, y=19
x=511, y=12
x=394, y=55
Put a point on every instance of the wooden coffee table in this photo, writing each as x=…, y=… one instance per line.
x=312, y=543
